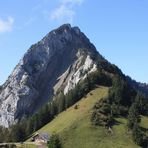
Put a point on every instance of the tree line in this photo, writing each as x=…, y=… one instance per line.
x=123, y=101
x=27, y=125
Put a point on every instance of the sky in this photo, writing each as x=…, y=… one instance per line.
x=118, y=29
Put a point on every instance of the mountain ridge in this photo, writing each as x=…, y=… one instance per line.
x=58, y=62
x=35, y=79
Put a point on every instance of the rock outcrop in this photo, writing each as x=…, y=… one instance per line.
x=61, y=59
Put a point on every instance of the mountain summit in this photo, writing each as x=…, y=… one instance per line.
x=57, y=62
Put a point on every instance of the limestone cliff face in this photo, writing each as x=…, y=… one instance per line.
x=61, y=59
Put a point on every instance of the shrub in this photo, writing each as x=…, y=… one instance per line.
x=101, y=114
x=76, y=106
x=54, y=142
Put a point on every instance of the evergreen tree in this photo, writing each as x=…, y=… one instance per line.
x=36, y=122
x=133, y=116
x=44, y=115
x=6, y=135
x=137, y=134
x=118, y=89
x=30, y=125
x=120, y=92
x=142, y=103
x=17, y=132
x=53, y=109
x=2, y=130
x=69, y=99
x=61, y=102
x=47, y=115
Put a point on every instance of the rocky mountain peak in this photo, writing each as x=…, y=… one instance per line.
x=67, y=28
x=60, y=60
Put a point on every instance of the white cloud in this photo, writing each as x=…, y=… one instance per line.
x=6, y=25
x=65, y=11
x=74, y=2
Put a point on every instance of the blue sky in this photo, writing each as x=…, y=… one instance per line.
x=118, y=28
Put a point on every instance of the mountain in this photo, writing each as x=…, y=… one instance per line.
x=59, y=61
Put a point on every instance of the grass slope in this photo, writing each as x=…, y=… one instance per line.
x=71, y=115
x=76, y=131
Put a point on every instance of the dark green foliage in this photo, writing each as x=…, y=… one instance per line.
x=36, y=121
x=120, y=97
x=108, y=67
x=137, y=108
x=70, y=98
x=12, y=146
x=61, y=102
x=4, y=134
x=137, y=134
x=53, y=108
x=142, y=103
x=44, y=115
x=121, y=92
x=114, y=109
x=101, y=114
x=17, y=132
x=54, y=142
x=133, y=116
x=30, y=126
x=99, y=77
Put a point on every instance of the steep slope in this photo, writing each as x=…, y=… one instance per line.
x=75, y=129
x=59, y=61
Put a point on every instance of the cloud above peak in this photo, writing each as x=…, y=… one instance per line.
x=65, y=10
x=6, y=25
x=75, y=2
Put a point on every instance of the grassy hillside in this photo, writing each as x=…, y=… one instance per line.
x=76, y=131
x=68, y=117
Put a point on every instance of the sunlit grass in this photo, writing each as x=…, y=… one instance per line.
x=76, y=131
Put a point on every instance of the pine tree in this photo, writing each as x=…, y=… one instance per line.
x=36, y=122
x=118, y=89
x=47, y=116
x=142, y=103
x=69, y=99
x=53, y=109
x=137, y=134
x=17, y=132
x=30, y=125
x=2, y=134
x=61, y=102
x=133, y=116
